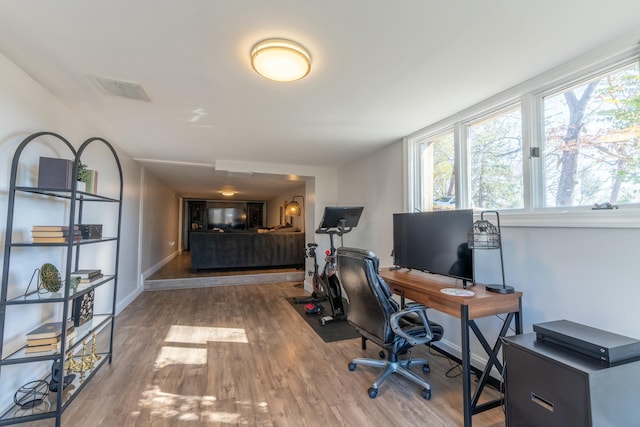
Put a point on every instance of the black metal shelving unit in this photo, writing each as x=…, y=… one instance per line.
x=100, y=325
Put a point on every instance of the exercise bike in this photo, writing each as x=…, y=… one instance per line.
x=317, y=295
x=336, y=221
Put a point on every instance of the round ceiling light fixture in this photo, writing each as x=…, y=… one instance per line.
x=280, y=60
x=228, y=193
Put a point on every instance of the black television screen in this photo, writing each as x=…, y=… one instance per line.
x=435, y=242
x=227, y=218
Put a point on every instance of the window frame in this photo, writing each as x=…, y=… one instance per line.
x=530, y=97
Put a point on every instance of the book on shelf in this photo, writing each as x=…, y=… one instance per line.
x=53, y=340
x=63, y=233
x=55, y=173
x=55, y=239
x=32, y=348
x=53, y=228
x=92, y=278
x=86, y=273
x=49, y=330
x=43, y=348
x=43, y=341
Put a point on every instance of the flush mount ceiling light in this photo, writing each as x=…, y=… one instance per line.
x=280, y=60
x=228, y=193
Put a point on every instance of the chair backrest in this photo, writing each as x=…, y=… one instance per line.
x=370, y=302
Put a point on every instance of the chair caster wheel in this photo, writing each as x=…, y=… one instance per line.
x=373, y=392
x=426, y=393
x=426, y=369
x=352, y=366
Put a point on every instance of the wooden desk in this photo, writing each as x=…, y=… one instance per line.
x=425, y=289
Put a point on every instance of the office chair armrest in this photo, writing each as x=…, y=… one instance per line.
x=421, y=311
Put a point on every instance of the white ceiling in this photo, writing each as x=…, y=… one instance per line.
x=380, y=70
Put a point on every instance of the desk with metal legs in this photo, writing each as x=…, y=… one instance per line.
x=426, y=289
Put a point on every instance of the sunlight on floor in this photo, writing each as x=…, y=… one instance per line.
x=203, y=334
x=188, y=408
x=184, y=408
x=180, y=356
x=158, y=404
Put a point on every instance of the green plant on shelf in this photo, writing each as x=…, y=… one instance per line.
x=83, y=172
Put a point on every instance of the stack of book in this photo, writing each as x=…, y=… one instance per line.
x=54, y=233
x=48, y=337
x=87, y=276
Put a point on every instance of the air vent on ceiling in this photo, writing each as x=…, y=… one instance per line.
x=125, y=89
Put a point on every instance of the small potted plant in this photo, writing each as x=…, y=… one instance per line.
x=82, y=176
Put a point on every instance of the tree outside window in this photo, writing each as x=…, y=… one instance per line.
x=495, y=147
x=438, y=185
x=592, y=141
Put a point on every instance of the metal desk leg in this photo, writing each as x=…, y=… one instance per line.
x=519, y=317
x=466, y=364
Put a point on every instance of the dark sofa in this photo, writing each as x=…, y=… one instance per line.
x=242, y=249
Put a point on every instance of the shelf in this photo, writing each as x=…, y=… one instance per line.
x=95, y=324
x=43, y=199
x=65, y=244
x=38, y=298
x=48, y=408
x=66, y=194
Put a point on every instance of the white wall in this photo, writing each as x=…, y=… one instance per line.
x=274, y=205
x=25, y=108
x=587, y=275
x=374, y=182
x=160, y=224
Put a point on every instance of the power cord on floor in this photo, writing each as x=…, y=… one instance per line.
x=450, y=373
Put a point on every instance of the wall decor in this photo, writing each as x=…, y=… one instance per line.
x=50, y=277
x=91, y=231
x=31, y=394
x=82, y=308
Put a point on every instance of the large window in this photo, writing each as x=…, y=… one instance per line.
x=592, y=141
x=546, y=148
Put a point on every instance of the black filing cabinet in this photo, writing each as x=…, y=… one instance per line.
x=547, y=385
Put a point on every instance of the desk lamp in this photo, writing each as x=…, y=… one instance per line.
x=485, y=235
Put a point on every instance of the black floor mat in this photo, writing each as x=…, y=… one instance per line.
x=331, y=331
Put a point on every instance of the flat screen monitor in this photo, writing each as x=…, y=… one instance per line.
x=435, y=242
x=334, y=214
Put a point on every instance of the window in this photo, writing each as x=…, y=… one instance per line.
x=592, y=141
x=541, y=148
x=495, y=148
x=438, y=178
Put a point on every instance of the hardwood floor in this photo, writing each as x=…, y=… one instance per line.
x=241, y=355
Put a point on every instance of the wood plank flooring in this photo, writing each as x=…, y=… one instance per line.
x=242, y=356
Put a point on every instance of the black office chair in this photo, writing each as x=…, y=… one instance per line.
x=379, y=318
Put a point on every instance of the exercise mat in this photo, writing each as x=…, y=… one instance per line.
x=331, y=331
